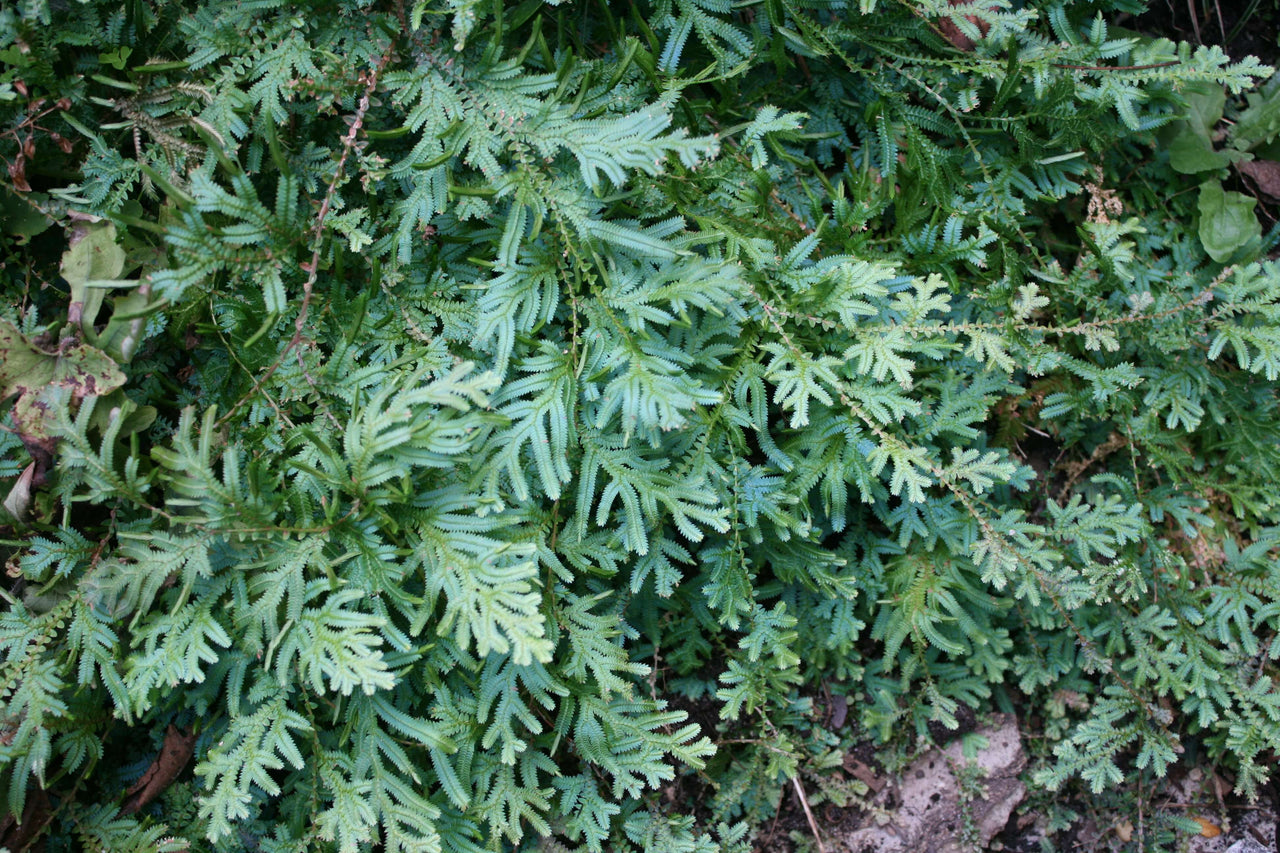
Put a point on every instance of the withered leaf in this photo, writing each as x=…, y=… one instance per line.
x=175, y=752
x=18, y=174
x=1265, y=174
x=32, y=373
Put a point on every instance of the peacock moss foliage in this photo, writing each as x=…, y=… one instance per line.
x=417, y=410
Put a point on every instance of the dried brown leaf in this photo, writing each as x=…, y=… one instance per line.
x=175, y=752
x=1265, y=174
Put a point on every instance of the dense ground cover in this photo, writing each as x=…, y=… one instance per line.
x=467, y=426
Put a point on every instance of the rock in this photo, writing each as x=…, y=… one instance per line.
x=924, y=814
x=1247, y=845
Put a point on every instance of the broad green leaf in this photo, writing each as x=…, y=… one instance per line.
x=94, y=257
x=1227, y=223
x=1190, y=141
x=20, y=217
x=116, y=405
x=127, y=325
x=1190, y=153
x=1260, y=121
x=91, y=266
x=1205, y=102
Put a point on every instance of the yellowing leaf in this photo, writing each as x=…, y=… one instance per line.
x=26, y=368
x=29, y=372
x=1208, y=828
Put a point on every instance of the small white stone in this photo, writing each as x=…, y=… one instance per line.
x=1247, y=845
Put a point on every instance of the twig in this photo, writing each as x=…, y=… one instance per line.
x=1076, y=470
x=1195, y=21
x=231, y=351
x=1241, y=806
x=1116, y=67
x=786, y=208
x=776, y=814
x=755, y=741
x=312, y=267
x=813, y=824
x=1142, y=825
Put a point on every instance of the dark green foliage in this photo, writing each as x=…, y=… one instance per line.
x=502, y=382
